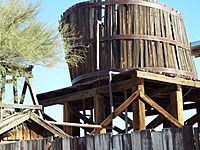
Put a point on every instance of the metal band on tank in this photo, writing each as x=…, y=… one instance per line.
x=123, y=2
x=146, y=37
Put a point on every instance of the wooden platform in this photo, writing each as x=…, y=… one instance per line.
x=141, y=92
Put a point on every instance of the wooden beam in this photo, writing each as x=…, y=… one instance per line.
x=87, y=93
x=157, y=121
x=52, y=129
x=69, y=124
x=194, y=119
x=21, y=106
x=176, y=100
x=118, y=129
x=81, y=116
x=122, y=116
x=119, y=110
x=161, y=91
x=161, y=110
x=33, y=96
x=84, y=94
x=166, y=79
x=10, y=123
x=139, y=108
x=23, y=92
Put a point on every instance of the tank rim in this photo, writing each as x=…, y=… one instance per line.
x=158, y=70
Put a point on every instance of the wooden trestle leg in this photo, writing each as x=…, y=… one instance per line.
x=139, y=108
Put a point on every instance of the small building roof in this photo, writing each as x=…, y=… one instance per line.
x=33, y=121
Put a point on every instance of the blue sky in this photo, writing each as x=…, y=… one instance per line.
x=47, y=79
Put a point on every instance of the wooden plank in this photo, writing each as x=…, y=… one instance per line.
x=117, y=142
x=167, y=139
x=119, y=110
x=136, y=141
x=152, y=27
x=158, y=44
x=21, y=106
x=136, y=31
x=157, y=141
x=160, y=110
x=90, y=142
x=126, y=139
x=166, y=79
x=177, y=139
x=140, y=42
x=103, y=142
x=146, y=140
x=81, y=143
x=130, y=31
x=168, y=35
x=139, y=108
x=188, y=138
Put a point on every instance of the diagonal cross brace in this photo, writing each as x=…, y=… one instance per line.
x=119, y=110
x=163, y=112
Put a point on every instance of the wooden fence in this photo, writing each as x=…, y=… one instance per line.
x=168, y=139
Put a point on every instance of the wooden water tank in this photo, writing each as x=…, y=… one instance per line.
x=134, y=34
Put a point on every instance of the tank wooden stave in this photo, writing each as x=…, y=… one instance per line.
x=135, y=34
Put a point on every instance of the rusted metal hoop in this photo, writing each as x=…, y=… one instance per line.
x=146, y=37
x=124, y=2
x=103, y=73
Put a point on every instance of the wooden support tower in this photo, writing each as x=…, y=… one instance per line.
x=164, y=96
x=19, y=120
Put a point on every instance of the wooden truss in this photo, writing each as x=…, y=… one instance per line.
x=138, y=92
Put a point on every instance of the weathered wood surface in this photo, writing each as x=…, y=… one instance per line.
x=167, y=139
x=134, y=34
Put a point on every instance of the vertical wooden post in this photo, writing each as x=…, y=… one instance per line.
x=99, y=110
x=15, y=90
x=176, y=99
x=139, y=108
x=69, y=117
